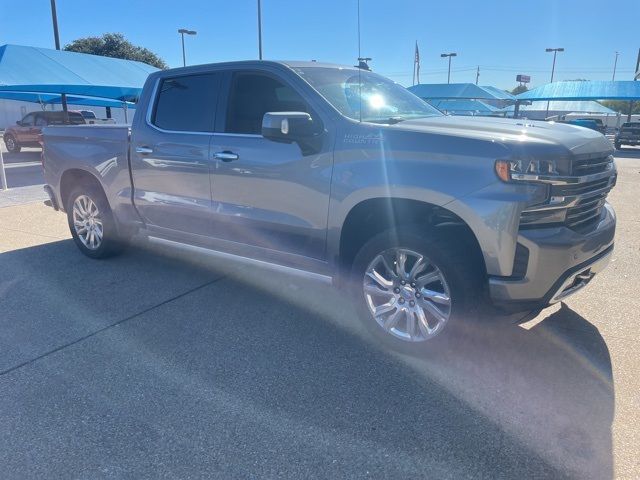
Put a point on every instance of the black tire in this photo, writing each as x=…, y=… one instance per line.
x=618, y=146
x=462, y=271
x=111, y=243
x=12, y=144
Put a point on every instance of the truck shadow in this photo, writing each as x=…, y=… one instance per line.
x=253, y=366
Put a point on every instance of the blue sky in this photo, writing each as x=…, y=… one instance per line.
x=502, y=37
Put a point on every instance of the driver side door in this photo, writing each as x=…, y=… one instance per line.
x=267, y=194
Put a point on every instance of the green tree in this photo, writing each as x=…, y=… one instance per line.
x=621, y=106
x=519, y=89
x=116, y=46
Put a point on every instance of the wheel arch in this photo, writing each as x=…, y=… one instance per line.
x=374, y=215
x=74, y=177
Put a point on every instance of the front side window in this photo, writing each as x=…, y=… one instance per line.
x=41, y=121
x=253, y=95
x=186, y=103
x=366, y=96
x=28, y=120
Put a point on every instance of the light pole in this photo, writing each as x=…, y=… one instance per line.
x=259, y=30
x=452, y=54
x=615, y=64
x=182, y=33
x=553, y=69
x=56, y=38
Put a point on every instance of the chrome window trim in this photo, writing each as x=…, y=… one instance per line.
x=245, y=135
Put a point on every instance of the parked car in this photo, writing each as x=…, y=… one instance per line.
x=343, y=175
x=584, y=122
x=629, y=134
x=26, y=132
x=91, y=118
x=599, y=124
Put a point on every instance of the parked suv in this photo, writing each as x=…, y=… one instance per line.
x=27, y=131
x=629, y=134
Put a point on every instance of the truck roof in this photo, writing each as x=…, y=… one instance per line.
x=247, y=63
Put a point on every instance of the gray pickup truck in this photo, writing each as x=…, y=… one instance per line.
x=341, y=174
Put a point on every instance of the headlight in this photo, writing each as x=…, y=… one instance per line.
x=525, y=170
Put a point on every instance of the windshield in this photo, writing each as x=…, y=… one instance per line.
x=366, y=96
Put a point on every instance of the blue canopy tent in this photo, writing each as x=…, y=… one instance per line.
x=577, y=90
x=587, y=90
x=50, y=99
x=42, y=70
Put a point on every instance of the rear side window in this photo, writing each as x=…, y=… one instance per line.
x=253, y=95
x=186, y=104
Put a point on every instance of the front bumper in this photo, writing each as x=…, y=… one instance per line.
x=560, y=262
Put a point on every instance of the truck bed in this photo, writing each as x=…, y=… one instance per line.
x=102, y=150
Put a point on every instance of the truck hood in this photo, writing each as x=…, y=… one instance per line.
x=515, y=133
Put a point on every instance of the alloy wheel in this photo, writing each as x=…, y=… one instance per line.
x=87, y=222
x=407, y=295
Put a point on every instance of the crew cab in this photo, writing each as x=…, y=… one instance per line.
x=341, y=174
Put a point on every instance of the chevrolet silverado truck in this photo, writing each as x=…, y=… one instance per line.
x=340, y=174
x=629, y=134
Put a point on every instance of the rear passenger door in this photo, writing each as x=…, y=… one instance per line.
x=170, y=154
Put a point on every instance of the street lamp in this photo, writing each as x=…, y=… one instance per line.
x=615, y=64
x=182, y=32
x=555, y=52
x=452, y=54
x=553, y=69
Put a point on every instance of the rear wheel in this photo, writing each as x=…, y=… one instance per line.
x=409, y=286
x=91, y=223
x=618, y=146
x=12, y=144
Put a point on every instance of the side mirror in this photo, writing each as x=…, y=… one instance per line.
x=287, y=127
x=19, y=123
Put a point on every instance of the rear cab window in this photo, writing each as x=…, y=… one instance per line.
x=186, y=103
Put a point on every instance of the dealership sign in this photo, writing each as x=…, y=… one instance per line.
x=523, y=78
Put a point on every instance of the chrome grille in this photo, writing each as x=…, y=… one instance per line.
x=586, y=212
x=581, y=166
x=577, y=205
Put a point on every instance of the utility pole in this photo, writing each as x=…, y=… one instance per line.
x=477, y=74
x=553, y=69
x=56, y=37
x=445, y=55
x=615, y=64
x=636, y=75
x=259, y=30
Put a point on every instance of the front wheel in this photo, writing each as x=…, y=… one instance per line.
x=91, y=223
x=12, y=144
x=409, y=286
x=618, y=146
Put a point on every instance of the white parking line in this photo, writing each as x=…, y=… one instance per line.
x=21, y=164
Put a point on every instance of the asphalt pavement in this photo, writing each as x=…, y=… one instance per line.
x=158, y=365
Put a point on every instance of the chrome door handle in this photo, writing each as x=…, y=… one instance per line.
x=144, y=150
x=226, y=156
